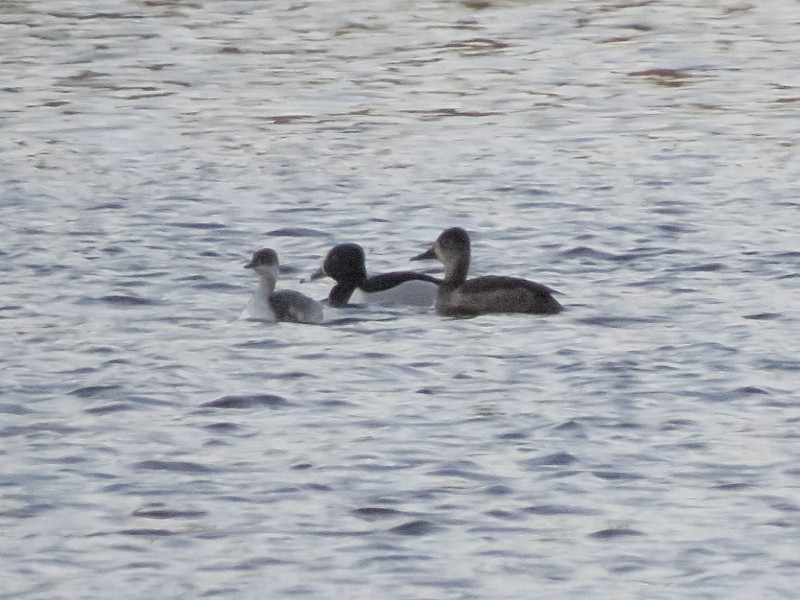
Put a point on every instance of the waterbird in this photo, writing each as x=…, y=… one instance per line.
x=346, y=265
x=459, y=296
x=266, y=304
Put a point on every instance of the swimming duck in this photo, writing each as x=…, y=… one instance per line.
x=459, y=296
x=345, y=264
x=284, y=305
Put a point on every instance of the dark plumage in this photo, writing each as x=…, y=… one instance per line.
x=346, y=264
x=459, y=296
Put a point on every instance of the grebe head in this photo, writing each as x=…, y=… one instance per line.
x=265, y=262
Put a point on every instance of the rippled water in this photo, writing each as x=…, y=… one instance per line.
x=641, y=158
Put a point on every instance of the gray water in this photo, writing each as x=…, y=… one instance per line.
x=641, y=158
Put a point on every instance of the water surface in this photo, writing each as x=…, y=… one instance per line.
x=640, y=158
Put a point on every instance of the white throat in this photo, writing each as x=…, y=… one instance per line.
x=259, y=305
x=267, y=277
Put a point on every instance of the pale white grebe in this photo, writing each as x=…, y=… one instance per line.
x=266, y=304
